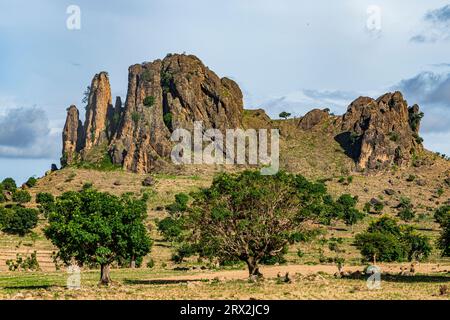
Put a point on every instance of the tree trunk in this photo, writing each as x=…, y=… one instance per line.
x=105, y=277
x=133, y=263
x=253, y=268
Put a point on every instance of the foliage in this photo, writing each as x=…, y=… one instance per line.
x=414, y=120
x=31, y=182
x=345, y=206
x=92, y=227
x=21, y=196
x=167, y=118
x=9, y=184
x=18, y=220
x=284, y=115
x=86, y=95
x=252, y=218
x=149, y=101
x=45, y=202
x=30, y=263
x=386, y=241
x=135, y=116
x=405, y=207
x=442, y=216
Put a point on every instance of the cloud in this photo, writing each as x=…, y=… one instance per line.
x=300, y=102
x=25, y=133
x=437, y=26
x=428, y=88
x=432, y=92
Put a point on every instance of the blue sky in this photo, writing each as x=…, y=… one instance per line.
x=285, y=54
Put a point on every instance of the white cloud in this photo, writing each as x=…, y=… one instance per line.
x=25, y=133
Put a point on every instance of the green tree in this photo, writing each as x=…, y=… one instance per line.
x=386, y=241
x=250, y=217
x=284, y=115
x=346, y=206
x=405, y=207
x=18, y=220
x=46, y=202
x=21, y=196
x=98, y=228
x=9, y=184
x=31, y=182
x=442, y=216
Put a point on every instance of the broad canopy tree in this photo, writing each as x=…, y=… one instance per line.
x=250, y=217
x=96, y=228
x=386, y=241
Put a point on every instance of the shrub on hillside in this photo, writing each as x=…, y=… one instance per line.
x=21, y=196
x=18, y=220
x=9, y=184
x=31, y=182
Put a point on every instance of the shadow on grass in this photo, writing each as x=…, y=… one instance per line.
x=30, y=287
x=419, y=278
x=158, y=281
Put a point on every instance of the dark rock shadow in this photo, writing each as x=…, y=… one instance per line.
x=350, y=143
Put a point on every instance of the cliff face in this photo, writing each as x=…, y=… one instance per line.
x=72, y=136
x=162, y=96
x=174, y=92
x=378, y=133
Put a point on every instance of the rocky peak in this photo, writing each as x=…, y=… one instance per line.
x=72, y=135
x=162, y=95
x=97, y=110
x=378, y=133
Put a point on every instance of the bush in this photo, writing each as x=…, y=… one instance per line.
x=386, y=241
x=30, y=263
x=44, y=198
x=150, y=263
x=442, y=214
x=9, y=184
x=45, y=201
x=149, y=101
x=2, y=197
x=19, y=220
x=21, y=196
x=444, y=240
x=31, y=182
x=406, y=212
x=167, y=118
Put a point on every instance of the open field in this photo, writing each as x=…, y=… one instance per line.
x=309, y=264
x=307, y=283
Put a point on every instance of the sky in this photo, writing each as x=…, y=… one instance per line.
x=286, y=55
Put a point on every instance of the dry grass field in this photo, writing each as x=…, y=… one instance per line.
x=315, y=155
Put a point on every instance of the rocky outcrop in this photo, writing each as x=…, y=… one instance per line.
x=72, y=136
x=313, y=118
x=97, y=110
x=162, y=96
x=382, y=132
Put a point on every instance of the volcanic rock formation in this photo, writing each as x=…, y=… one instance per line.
x=177, y=91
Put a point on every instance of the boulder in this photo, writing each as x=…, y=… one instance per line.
x=379, y=133
x=313, y=118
